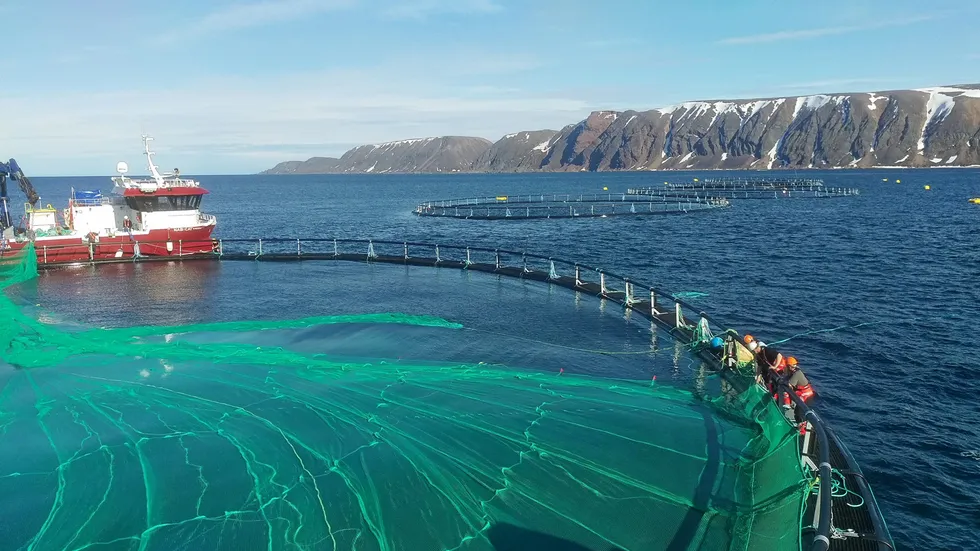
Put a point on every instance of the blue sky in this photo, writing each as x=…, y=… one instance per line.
x=235, y=87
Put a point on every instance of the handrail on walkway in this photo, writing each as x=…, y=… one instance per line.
x=536, y=198
x=821, y=540
x=530, y=263
x=744, y=192
x=523, y=207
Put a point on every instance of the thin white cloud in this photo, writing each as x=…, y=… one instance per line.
x=243, y=16
x=246, y=124
x=803, y=34
x=419, y=9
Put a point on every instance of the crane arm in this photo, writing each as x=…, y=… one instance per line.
x=12, y=169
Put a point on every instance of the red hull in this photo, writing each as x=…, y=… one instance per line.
x=175, y=243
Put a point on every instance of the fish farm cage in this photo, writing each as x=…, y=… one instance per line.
x=747, y=188
x=785, y=489
x=523, y=207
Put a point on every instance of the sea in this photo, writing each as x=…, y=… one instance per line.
x=877, y=295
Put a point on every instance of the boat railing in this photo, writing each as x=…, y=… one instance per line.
x=168, y=180
x=93, y=201
x=205, y=218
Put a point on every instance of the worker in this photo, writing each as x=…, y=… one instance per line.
x=799, y=385
x=127, y=224
x=769, y=362
x=798, y=381
x=753, y=347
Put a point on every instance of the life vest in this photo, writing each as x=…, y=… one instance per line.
x=805, y=392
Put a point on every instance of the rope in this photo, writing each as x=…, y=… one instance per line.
x=838, y=328
x=689, y=294
x=838, y=487
x=588, y=350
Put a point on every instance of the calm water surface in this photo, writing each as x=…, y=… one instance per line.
x=877, y=294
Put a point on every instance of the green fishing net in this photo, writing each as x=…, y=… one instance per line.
x=193, y=437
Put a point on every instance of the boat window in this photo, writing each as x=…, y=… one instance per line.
x=164, y=203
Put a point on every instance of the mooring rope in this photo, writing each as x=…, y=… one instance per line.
x=554, y=345
x=840, y=328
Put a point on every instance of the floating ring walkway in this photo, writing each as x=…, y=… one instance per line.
x=747, y=188
x=525, y=207
x=822, y=452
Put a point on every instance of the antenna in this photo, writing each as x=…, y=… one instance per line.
x=149, y=160
x=122, y=167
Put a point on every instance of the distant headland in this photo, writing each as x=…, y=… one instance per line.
x=926, y=127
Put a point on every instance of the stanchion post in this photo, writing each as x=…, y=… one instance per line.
x=406, y=250
x=602, y=283
x=653, y=302
x=578, y=278
x=336, y=252
x=496, y=254
x=260, y=247
x=299, y=250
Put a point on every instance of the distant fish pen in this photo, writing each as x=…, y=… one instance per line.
x=525, y=207
x=747, y=188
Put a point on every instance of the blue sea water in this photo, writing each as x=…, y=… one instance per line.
x=876, y=294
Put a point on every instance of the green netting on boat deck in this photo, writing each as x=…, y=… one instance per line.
x=191, y=437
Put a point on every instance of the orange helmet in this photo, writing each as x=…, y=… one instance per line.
x=791, y=361
x=749, y=338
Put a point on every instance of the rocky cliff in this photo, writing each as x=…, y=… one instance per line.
x=916, y=128
x=518, y=152
x=445, y=154
x=313, y=165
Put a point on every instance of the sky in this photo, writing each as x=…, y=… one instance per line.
x=232, y=87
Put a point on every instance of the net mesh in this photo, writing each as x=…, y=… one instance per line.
x=190, y=437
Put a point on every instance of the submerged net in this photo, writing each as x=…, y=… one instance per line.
x=191, y=437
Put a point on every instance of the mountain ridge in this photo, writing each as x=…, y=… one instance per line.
x=937, y=126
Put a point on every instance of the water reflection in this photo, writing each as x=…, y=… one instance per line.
x=155, y=293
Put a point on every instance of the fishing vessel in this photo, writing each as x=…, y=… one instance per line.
x=155, y=216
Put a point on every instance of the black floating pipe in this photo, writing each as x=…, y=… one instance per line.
x=882, y=536
x=821, y=540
